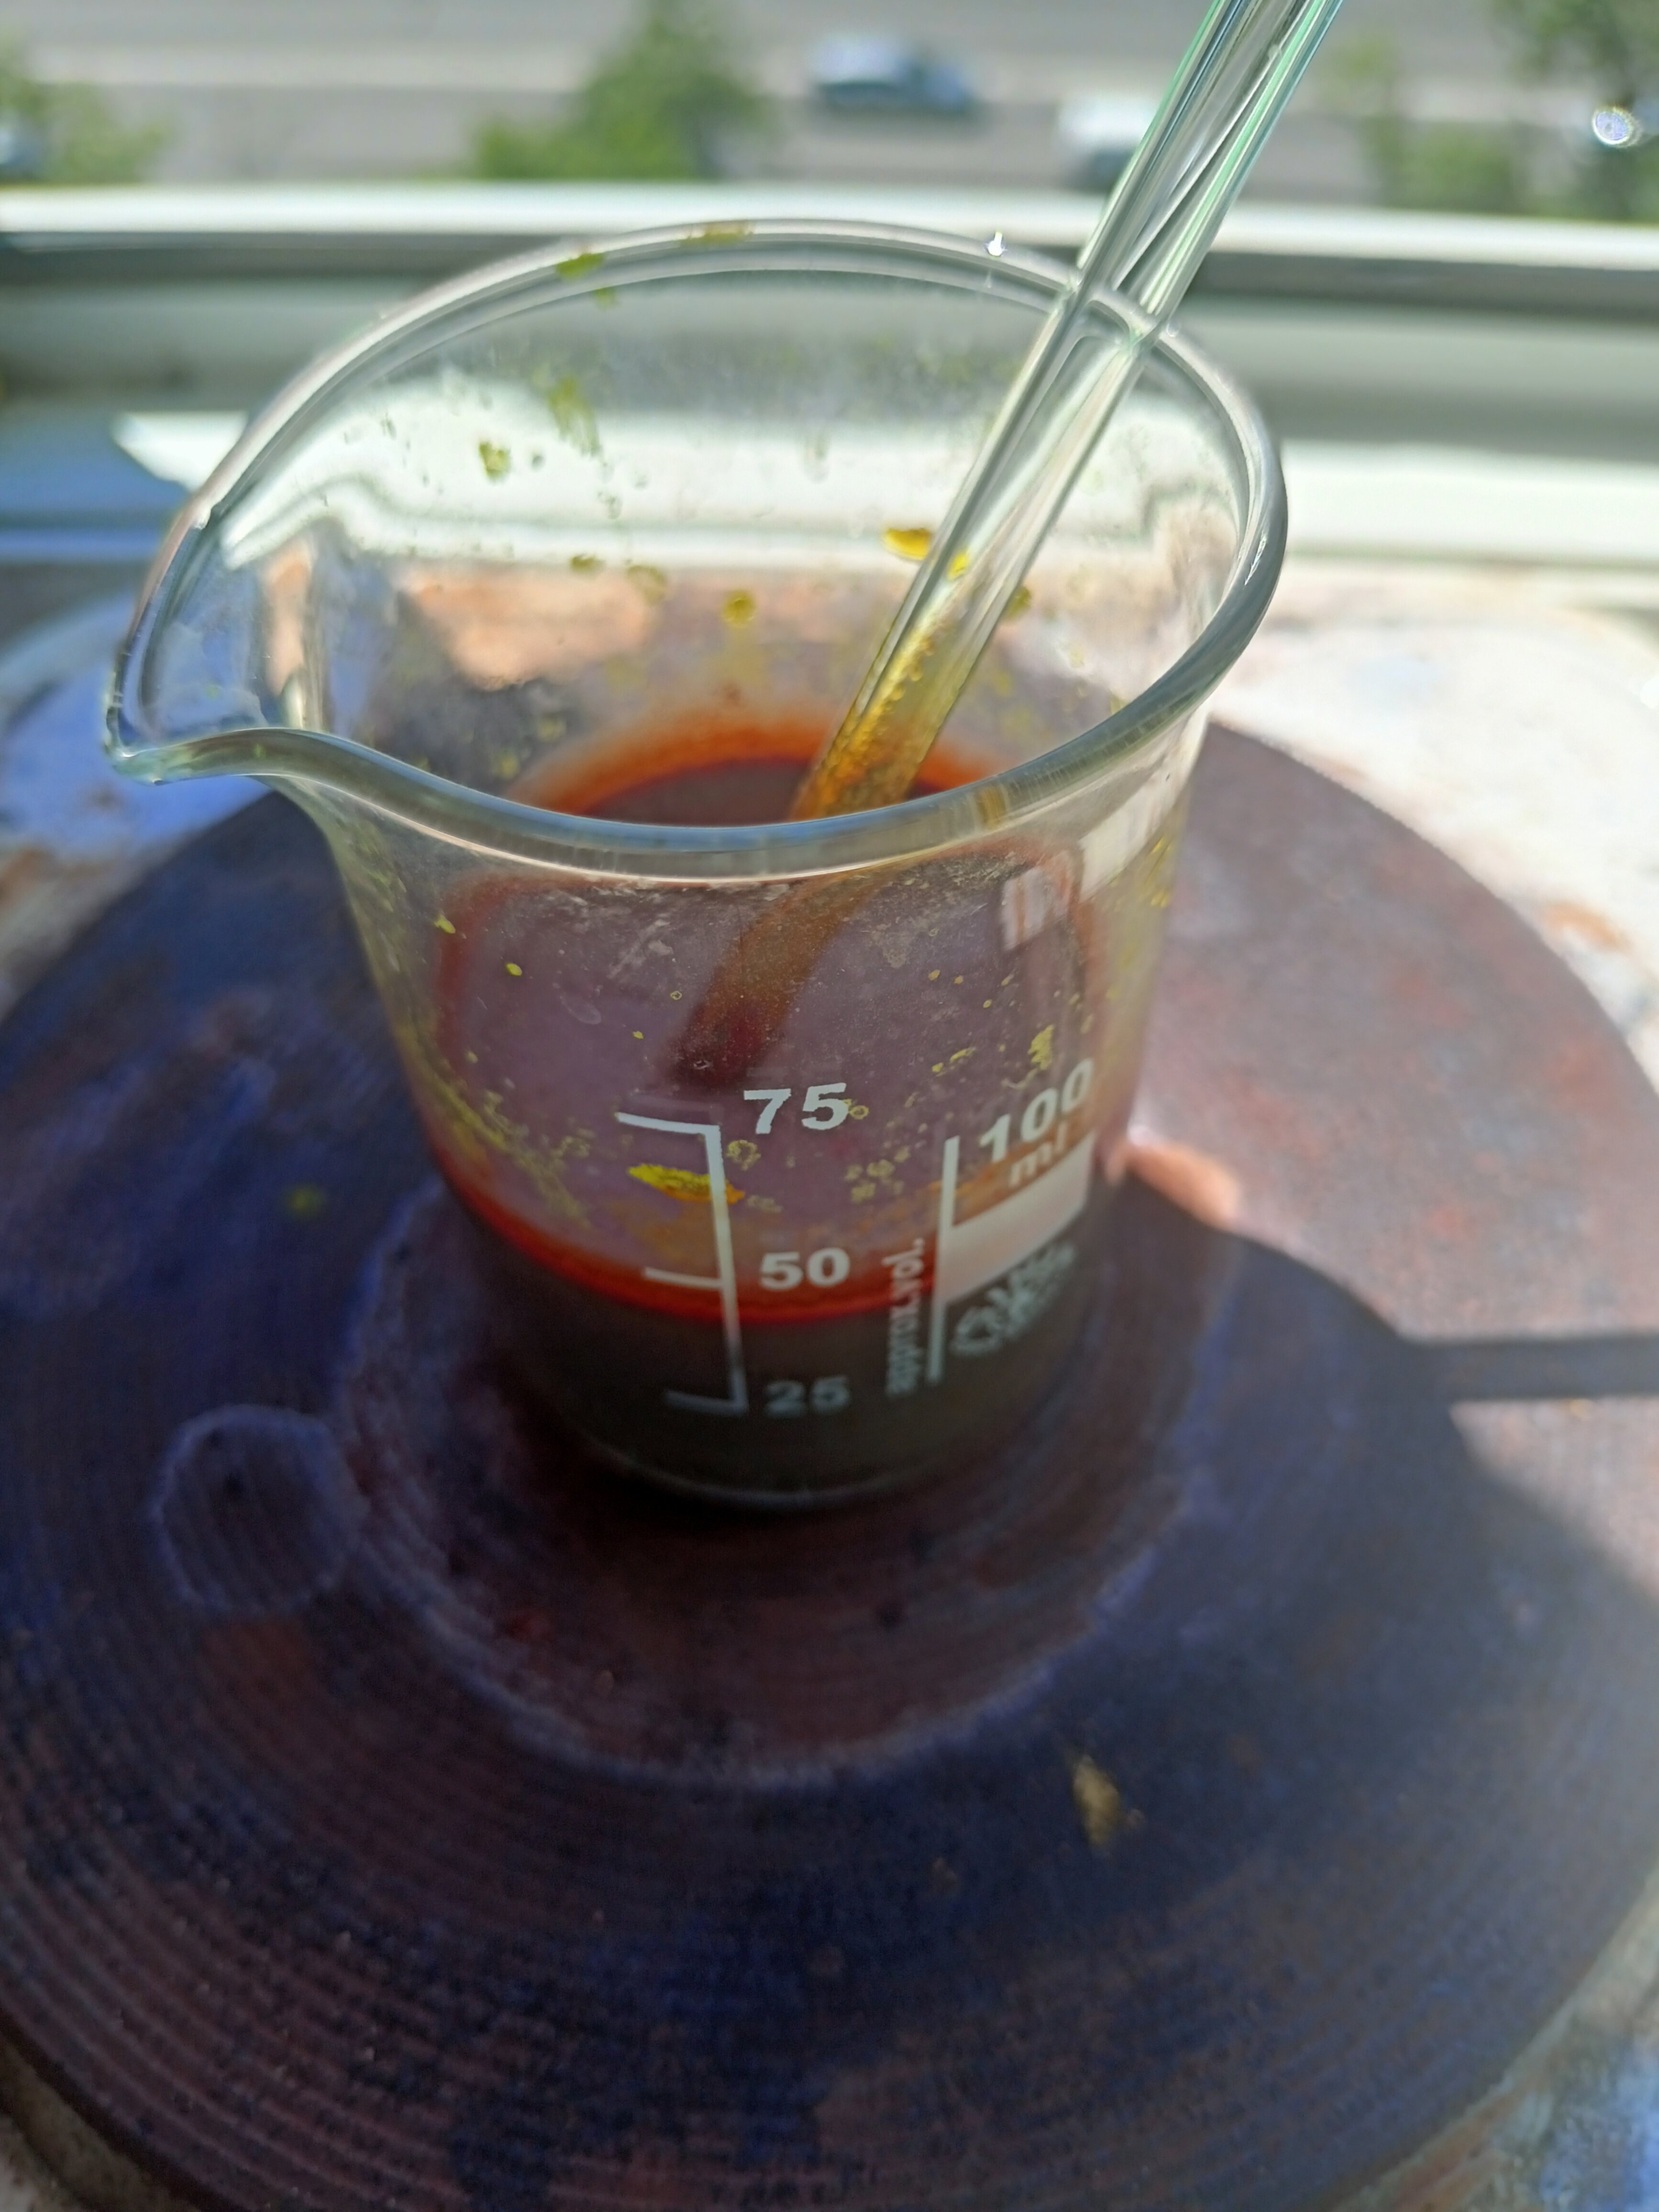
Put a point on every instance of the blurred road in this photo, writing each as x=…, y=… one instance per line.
x=344, y=88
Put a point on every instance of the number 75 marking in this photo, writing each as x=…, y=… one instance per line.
x=820, y=1110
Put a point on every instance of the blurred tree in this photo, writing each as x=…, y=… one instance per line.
x=1615, y=44
x=663, y=105
x=1474, y=169
x=66, y=134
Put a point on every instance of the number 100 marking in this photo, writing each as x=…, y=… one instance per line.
x=1041, y=1112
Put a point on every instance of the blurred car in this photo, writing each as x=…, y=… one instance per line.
x=1097, y=131
x=23, y=151
x=890, y=75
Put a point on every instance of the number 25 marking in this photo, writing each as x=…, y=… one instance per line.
x=820, y=1110
x=830, y=1393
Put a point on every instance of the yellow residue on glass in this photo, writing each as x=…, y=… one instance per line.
x=1019, y=605
x=573, y=417
x=691, y=1189
x=587, y=564
x=580, y=264
x=959, y=566
x=650, y=582
x=304, y=1201
x=738, y=608
x=909, y=544
x=496, y=459
x=1041, y=1049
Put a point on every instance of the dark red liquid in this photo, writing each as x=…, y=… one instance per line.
x=923, y=1048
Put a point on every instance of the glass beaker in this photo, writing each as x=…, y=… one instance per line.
x=789, y=1144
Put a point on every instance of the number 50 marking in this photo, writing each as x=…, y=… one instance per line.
x=820, y=1110
x=781, y=1271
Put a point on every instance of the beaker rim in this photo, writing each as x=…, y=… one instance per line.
x=312, y=762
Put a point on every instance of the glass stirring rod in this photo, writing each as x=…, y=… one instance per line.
x=1232, y=84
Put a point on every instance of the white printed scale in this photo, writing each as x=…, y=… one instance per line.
x=1049, y=1189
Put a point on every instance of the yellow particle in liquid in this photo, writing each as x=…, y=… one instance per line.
x=677, y=994
x=681, y=1183
x=990, y=1002
x=955, y=979
x=1020, y=604
x=304, y=1201
x=1041, y=1049
x=508, y=765
x=512, y=968
x=649, y=582
x=959, y=566
x=938, y=1068
x=640, y=1034
x=932, y=974
x=967, y=1053
x=496, y=459
x=863, y=1190
x=739, y=608
x=857, y=1113
x=473, y=1059
x=909, y=544
x=743, y=1153
x=587, y=564
x=444, y=923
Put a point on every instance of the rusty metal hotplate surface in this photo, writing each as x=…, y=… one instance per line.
x=1197, y=1806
